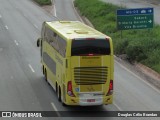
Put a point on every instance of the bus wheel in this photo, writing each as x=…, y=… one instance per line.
x=59, y=94
x=45, y=75
x=63, y=104
x=43, y=69
x=56, y=89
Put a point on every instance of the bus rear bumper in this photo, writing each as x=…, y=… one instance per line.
x=93, y=101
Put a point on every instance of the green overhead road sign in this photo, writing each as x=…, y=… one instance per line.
x=141, y=18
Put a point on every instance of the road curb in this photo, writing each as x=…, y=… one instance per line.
x=148, y=71
x=82, y=18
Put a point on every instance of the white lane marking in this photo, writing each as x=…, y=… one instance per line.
x=55, y=12
x=6, y=27
x=138, y=77
x=31, y=68
x=16, y=42
x=35, y=26
x=56, y=110
x=117, y=106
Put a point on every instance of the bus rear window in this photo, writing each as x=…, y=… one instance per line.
x=90, y=47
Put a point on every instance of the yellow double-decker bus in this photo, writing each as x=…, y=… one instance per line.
x=77, y=61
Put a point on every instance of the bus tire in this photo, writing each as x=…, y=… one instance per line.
x=45, y=75
x=43, y=69
x=59, y=94
x=63, y=104
x=56, y=89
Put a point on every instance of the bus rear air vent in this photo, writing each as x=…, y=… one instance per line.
x=80, y=32
x=64, y=21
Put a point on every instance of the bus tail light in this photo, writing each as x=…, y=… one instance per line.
x=90, y=38
x=90, y=54
x=69, y=89
x=107, y=38
x=110, y=91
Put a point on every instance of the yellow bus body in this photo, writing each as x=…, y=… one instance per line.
x=79, y=75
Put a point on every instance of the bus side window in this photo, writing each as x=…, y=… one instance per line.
x=53, y=40
x=46, y=35
x=62, y=43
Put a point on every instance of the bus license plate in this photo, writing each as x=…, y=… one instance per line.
x=90, y=100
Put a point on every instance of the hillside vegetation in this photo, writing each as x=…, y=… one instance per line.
x=139, y=45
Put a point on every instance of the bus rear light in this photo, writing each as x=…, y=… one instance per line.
x=111, y=85
x=90, y=54
x=107, y=38
x=110, y=91
x=90, y=38
x=69, y=89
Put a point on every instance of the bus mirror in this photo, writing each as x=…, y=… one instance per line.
x=38, y=42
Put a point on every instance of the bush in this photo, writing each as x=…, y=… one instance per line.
x=153, y=60
x=120, y=46
x=135, y=51
x=100, y=14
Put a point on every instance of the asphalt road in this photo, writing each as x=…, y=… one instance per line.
x=22, y=86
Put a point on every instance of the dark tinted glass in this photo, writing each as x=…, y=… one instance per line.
x=90, y=47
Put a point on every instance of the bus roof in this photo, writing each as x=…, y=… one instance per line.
x=75, y=29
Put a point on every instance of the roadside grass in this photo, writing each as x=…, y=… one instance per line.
x=43, y=2
x=139, y=45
